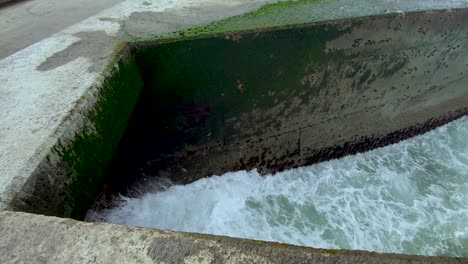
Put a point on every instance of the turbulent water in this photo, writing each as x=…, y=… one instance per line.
x=410, y=198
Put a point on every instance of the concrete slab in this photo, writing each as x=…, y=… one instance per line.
x=55, y=240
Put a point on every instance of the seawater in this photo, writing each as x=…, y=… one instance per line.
x=410, y=197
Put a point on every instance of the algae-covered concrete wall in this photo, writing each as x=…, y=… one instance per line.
x=279, y=98
x=69, y=176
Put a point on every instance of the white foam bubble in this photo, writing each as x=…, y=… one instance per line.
x=410, y=197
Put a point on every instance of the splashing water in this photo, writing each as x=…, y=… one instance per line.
x=410, y=198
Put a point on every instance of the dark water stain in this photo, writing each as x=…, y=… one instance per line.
x=89, y=45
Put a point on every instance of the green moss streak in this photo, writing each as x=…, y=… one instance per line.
x=93, y=146
x=272, y=15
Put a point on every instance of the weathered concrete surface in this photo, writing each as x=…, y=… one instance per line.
x=67, y=180
x=23, y=23
x=30, y=238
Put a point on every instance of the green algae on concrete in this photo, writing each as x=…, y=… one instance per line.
x=271, y=15
x=293, y=12
x=93, y=147
x=67, y=181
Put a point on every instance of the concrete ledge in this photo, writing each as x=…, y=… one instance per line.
x=56, y=240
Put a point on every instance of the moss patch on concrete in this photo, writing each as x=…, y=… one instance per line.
x=93, y=146
x=272, y=15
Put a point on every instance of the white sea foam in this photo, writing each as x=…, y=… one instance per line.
x=410, y=197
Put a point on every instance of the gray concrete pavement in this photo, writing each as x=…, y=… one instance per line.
x=55, y=240
x=23, y=23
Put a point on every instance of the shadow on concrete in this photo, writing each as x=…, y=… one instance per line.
x=8, y=3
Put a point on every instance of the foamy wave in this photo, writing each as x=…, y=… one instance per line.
x=410, y=197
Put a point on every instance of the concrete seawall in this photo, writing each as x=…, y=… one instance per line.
x=278, y=98
x=270, y=98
